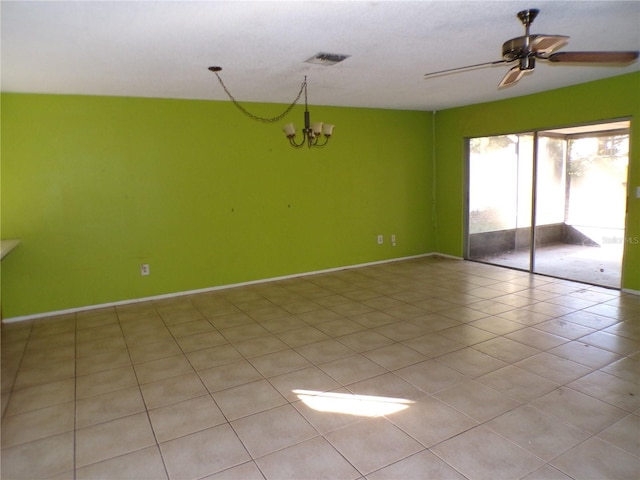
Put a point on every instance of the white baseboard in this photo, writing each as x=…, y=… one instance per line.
x=446, y=255
x=212, y=289
x=632, y=292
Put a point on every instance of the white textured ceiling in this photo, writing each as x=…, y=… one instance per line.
x=163, y=48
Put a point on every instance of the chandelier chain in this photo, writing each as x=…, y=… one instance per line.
x=263, y=119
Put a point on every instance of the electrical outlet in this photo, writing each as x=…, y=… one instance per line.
x=380, y=239
x=144, y=269
x=393, y=240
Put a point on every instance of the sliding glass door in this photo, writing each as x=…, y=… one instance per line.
x=500, y=195
x=581, y=199
x=569, y=184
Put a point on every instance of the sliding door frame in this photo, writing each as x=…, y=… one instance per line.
x=534, y=191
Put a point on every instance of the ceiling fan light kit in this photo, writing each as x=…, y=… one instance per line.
x=528, y=48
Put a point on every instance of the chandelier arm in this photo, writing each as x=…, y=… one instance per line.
x=256, y=117
x=293, y=143
x=318, y=144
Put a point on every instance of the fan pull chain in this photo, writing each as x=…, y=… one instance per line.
x=251, y=115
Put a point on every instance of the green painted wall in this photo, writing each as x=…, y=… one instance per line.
x=96, y=186
x=612, y=98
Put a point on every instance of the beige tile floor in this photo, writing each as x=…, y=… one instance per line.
x=428, y=369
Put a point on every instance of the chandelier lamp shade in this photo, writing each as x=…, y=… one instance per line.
x=313, y=134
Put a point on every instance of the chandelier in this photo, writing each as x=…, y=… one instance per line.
x=313, y=134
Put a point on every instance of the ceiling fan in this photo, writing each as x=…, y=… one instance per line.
x=527, y=49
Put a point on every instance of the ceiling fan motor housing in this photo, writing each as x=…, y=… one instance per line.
x=516, y=48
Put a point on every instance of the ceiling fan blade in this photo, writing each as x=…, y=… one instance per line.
x=461, y=69
x=546, y=44
x=512, y=76
x=593, y=57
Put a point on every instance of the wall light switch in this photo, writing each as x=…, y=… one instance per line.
x=637, y=192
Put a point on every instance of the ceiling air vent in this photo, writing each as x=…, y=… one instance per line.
x=327, y=59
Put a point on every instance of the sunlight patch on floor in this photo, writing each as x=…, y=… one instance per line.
x=351, y=404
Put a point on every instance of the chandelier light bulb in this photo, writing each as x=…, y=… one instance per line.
x=289, y=130
x=327, y=129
